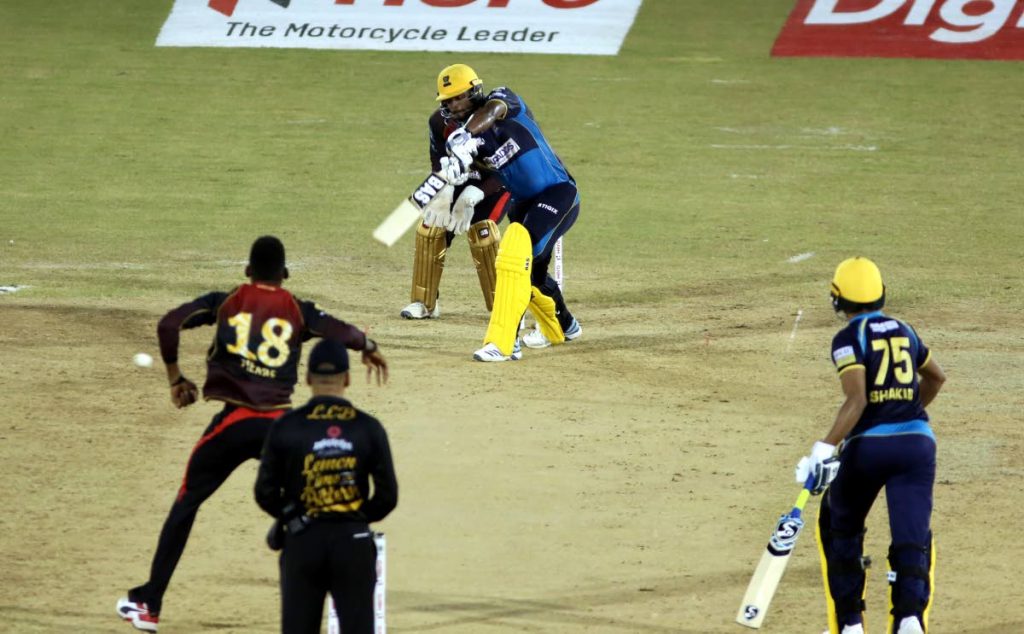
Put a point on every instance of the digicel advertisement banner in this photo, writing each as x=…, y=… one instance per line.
x=581, y=27
x=948, y=29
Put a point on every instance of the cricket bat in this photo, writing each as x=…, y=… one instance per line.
x=406, y=214
x=773, y=563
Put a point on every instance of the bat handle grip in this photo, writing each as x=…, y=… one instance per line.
x=809, y=483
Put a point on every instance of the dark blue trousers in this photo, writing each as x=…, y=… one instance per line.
x=905, y=465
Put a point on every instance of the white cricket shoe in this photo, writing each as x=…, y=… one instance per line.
x=490, y=352
x=910, y=625
x=854, y=629
x=536, y=339
x=418, y=310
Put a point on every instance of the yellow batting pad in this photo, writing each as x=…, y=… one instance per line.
x=543, y=309
x=512, y=287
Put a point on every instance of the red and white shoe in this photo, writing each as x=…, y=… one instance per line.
x=137, y=614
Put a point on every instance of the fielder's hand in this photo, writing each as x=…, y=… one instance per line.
x=462, y=211
x=821, y=464
x=462, y=146
x=183, y=392
x=453, y=171
x=375, y=362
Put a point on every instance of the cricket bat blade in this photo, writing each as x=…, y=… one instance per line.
x=408, y=212
x=397, y=223
x=772, y=566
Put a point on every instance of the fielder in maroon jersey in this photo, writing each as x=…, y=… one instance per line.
x=251, y=367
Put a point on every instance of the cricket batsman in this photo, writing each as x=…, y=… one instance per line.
x=498, y=130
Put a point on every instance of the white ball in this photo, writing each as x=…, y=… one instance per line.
x=143, y=360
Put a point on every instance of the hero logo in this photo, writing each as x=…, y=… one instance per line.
x=750, y=612
x=981, y=29
x=227, y=7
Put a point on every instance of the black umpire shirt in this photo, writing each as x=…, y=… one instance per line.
x=321, y=456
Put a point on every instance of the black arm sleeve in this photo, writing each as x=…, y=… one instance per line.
x=201, y=311
x=321, y=324
x=385, y=484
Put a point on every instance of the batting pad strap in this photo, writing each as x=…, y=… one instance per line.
x=512, y=287
x=543, y=309
x=484, y=239
x=428, y=264
x=910, y=578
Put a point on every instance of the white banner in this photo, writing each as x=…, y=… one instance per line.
x=579, y=27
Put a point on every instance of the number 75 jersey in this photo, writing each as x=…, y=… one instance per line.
x=253, y=360
x=890, y=353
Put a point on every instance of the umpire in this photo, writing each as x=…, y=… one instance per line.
x=314, y=478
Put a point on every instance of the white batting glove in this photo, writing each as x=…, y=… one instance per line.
x=820, y=452
x=462, y=146
x=462, y=210
x=438, y=212
x=453, y=171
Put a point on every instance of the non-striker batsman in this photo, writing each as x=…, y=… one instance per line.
x=888, y=377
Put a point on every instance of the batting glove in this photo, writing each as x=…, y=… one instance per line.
x=462, y=146
x=820, y=452
x=462, y=210
x=438, y=212
x=453, y=171
x=824, y=473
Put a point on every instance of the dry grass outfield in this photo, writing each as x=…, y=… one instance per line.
x=625, y=483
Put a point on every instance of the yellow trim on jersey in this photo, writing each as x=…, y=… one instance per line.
x=342, y=507
x=926, y=361
x=843, y=370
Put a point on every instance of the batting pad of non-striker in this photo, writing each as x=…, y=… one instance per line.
x=512, y=287
x=543, y=309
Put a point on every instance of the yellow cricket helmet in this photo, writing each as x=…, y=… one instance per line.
x=456, y=79
x=857, y=285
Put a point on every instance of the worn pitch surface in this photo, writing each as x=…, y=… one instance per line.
x=624, y=483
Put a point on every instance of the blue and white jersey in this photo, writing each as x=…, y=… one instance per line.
x=516, y=149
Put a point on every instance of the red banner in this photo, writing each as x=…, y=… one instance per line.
x=946, y=29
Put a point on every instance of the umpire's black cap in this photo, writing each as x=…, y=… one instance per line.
x=328, y=357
